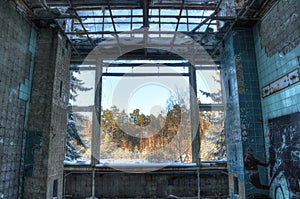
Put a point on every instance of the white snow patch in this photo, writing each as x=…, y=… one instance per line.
x=77, y=162
x=139, y=163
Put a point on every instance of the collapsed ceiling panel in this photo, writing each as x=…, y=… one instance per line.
x=87, y=23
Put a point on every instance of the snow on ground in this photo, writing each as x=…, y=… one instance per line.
x=77, y=162
x=142, y=163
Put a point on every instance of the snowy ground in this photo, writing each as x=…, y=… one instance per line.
x=140, y=163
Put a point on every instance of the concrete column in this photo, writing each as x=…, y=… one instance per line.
x=45, y=141
x=194, y=116
x=243, y=124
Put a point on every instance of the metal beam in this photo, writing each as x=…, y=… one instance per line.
x=82, y=108
x=145, y=4
x=179, y=16
x=79, y=19
x=123, y=4
x=211, y=107
x=145, y=74
x=240, y=14
x=215, y=168
x=89, y=3
x=111, y=16
x=211, y=17
x=114, y=26
x=222, y=18
x=127, y=33
x=195, y=122
x=177, y=24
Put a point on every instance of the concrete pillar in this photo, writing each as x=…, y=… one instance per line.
x=243, y=122
x=194, y=117
x=45, y=141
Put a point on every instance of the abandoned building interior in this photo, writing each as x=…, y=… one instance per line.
x=149, y=99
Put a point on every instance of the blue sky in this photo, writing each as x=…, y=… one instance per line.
x=147, y=94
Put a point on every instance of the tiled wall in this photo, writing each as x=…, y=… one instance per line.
x=287, y=100
x=249, y=102
x=280, y=104
x=244, y=127
x=15, y=61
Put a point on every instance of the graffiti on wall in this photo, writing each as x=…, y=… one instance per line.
x=284, y=156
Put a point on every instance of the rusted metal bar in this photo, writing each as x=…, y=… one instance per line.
x=122, y=4
x=114, y=26
x=31, y=15
x=111, y=17
x=179, y=16
x=145, y=5
x=212, y=16
x=79, y=19
x=150, y=16
x=106, y=169
x=240, y=14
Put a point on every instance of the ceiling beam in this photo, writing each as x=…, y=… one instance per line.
x=145, y=74
x=211, y=17
x=241, y=13
x=78, y=3
x=145, y=13
x=122, y=4
x=64, y=16
x=80, y=21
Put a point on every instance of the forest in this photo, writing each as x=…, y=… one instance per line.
x=140, y=138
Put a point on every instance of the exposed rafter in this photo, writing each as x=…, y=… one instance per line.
x=212, y=16
x=93, y=21
x=145, y=13
x=80, y=21
x=126, y=4
x=241, y=13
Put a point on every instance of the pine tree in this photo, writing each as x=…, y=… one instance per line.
x=212, y=127
x=214, y=134
x=75, y=140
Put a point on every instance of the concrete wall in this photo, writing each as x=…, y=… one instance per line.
x=45, y=147
x=34, y=87
x=146, y=185
x=279, y=31
x=15, y=60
